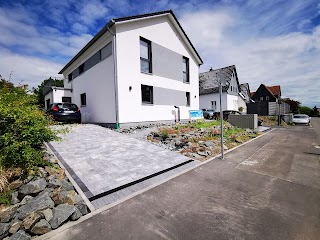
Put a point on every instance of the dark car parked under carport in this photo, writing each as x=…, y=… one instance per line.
x=65, y=112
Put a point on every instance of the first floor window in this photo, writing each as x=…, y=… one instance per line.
x=188, y=98
x=261, y=98
x=81, y=68
x=145, y=56
x=267, y=98
x=185, y=69
x=83, y=99
x=70, y=77
x=147, y=94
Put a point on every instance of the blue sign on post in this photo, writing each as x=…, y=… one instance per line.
x=196, y=114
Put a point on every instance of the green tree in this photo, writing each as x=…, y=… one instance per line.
x=315, y=111
x=50, y=82
x=305, y=110
x=294, y=105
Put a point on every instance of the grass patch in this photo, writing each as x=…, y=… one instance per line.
x=5, y=198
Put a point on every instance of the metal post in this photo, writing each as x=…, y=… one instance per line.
x=221, y=116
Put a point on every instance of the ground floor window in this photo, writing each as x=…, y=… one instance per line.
x=66, y=99
x=83, y=99
x=47, y=103
x=188, y=98
x=147, y=94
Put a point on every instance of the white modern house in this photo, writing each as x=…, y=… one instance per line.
x=209, y=89
x=136, y=69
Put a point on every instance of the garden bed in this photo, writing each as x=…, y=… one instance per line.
x=200, y=140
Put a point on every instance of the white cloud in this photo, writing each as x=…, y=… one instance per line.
x=29, y=70
x=291, y=59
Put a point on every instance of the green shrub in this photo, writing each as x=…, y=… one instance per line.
x=23, y=128
x=5, y=198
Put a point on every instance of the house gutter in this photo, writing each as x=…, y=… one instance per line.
x=114, y=45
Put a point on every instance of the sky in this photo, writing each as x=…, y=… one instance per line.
x=273, y=42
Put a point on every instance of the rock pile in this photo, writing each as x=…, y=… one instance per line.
x=39, y=204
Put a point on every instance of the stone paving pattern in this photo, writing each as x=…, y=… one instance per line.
x=103, y=159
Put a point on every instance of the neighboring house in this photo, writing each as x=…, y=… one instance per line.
x=209, y=89
x=267, y=94
x=244, y=96
x=136, y=69
x=267, y=101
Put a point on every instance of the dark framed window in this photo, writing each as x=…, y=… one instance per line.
x=81, y=68
x=188, y=98
x=48, y=103
x=185, y=70
x=83, y=98
x=147, y=94
x=106, y=51
x=70, y=77
x=66, y=99
x=145, y=56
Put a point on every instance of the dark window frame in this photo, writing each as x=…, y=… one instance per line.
x=70, y=77
x=187, y=72
x=150, y=94
x=149, y=60
x=188, y=99
x=81, y=68
x=65, y=98
x=83, y=99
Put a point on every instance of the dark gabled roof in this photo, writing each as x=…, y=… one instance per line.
x=273, y=90
x=245, y=91
x=208, y=81
x=123, y=19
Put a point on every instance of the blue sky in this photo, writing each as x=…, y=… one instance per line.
x=270, y=41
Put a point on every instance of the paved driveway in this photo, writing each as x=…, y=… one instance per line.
x=101, y=160
x=266, y=189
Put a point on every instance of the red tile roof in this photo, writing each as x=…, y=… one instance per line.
x=275, y=90
x=252, y=93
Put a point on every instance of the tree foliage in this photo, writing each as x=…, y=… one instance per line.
x=294, y=105
x=23, y=128
x=305, y=110
x=50, y=82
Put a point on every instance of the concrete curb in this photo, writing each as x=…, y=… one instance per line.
x=97, y=211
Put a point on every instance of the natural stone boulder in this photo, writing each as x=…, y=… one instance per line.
x=41, y=227
x=60, y=214
x=76, y=215
x=15, y=227
x=21, y=235
x=43, y=173
x=82, y=207
x=14, y=198
x=4, y=230
x=30, y=220
x=33, y=187
x=41, y=202
x=209, y=144
x=47, y=214
x=59, y=195
x=225, y=147
x=7, y=214
x=26, y=199
x=66, y=185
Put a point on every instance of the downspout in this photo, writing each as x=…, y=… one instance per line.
x=114, y=45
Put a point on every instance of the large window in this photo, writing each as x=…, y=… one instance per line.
x=145, y=56
x=188, y=98
x=185, y=62
x=83, y=98
x=106, y=51
x=147, y=94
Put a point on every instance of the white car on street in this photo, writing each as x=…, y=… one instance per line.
x=301, y=119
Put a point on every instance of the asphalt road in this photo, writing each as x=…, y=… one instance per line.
x=267, y=189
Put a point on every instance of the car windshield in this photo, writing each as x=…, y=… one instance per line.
x=300, y=116
x=209, y=110
x=68, y=106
